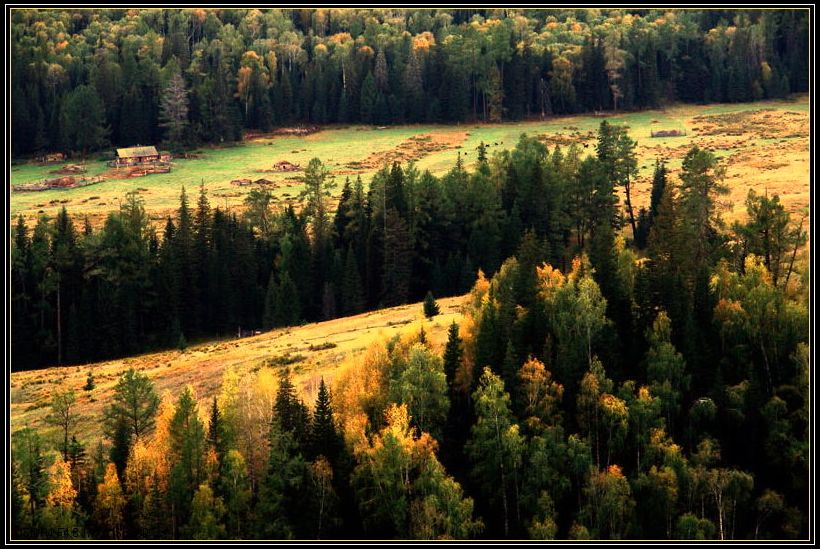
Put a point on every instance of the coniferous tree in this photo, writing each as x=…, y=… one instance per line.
x=352, y=293
x=288, y=309
x=173, y=114
x=398, y=247
x=431, y=308
x=135, y=404
x=217, y=433
x=270, y=318
x=290, y=413
x=453, y=353
x=282, y=487
x=187, y=452
x=324, y=440
x=83, y=120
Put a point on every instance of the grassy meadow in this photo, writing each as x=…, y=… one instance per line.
x=764, y=146
x=316, y=350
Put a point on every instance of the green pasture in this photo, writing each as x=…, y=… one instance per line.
x=336, y=147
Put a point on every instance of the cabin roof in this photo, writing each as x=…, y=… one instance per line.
x=134, y=152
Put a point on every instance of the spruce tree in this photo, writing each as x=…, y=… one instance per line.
x=187, y=457
x=288, y=310
x=89, y=382
x=325, y=440
x=290, y=413
x=397, y=266
x=352, y=293
x=269, y=317
x=431, y=308
x=216, y=432
x=281, y=492
x=120, y=445
x=510, y=367
x=453, y=352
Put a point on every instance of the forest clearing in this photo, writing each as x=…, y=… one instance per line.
x=764, y=146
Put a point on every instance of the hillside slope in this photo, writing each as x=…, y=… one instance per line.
x=323, y=346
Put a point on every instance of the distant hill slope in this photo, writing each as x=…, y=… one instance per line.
x=323, y=346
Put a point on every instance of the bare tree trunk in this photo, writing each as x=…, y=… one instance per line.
x=794, y=253
x=629, y=209
x=503, y=479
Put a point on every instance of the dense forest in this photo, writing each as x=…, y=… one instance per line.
x=616, y=373
x=82, y=80
x=595, y=388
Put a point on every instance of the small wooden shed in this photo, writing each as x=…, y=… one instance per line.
x=131, y=156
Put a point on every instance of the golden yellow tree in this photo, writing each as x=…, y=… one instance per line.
x=109, y=506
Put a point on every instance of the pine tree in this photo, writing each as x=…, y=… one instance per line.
x=452, y=354
x=398, y=250
x=352, y=293
x=217, y=433
x=182, y=343
x=288, y=311
x=135, y=404
x=202, y=254
x=269, y=318
x=647, y=217
x=89, y=382
x=281, y=492
x=82, y=120
x=187, y=448
x=77, y=461
x=342, y=216
x=173, y=114
x=290, y=413
x=120, y=446
x=431, y=308
x=368, y=98
x=154, y=519
x=325, y=439
x=510, y=367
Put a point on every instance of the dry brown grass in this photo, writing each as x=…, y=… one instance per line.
x=323, y=345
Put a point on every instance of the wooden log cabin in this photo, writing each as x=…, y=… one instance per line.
x=133, y=156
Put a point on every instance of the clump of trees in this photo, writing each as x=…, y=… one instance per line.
x=82, y=80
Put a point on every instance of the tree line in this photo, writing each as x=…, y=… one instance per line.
x=594, y=388
x=82, y=80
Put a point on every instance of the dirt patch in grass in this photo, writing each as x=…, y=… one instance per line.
x=763, y=123
x=66, y=182
x=567, y=139
x=413, y=148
